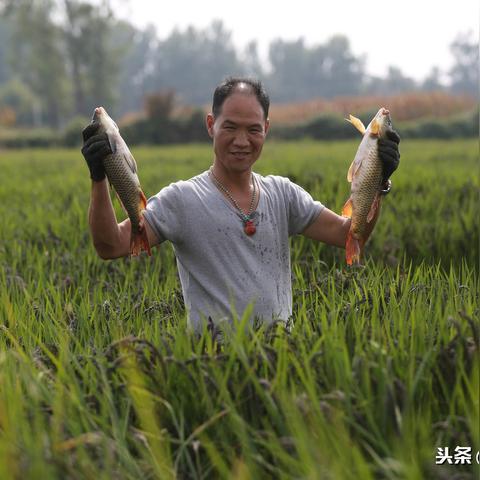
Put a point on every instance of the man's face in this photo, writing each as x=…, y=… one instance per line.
x=239, y=132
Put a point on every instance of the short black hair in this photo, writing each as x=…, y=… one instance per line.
x=229, y=86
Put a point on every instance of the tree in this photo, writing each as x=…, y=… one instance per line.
x=192, y=61
x=5, y=34
x=92, y=58
x=62, y=51
x=290, y=72
x=137, y=53
x=251, y=61
x=17, y=97
x=394, y=82
x=432, y=82
x=465, y=71
x=300, y=73
x=36, y=55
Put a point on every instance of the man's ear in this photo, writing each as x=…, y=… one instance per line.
x=209, y=121
x=267, y=125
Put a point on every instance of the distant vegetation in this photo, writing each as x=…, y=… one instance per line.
x=415, y=115
x=60, y=59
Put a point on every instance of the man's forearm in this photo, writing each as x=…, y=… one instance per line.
x=102, y=219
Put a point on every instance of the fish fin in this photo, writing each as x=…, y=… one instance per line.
x=347, y=208
x=130, y=161
x=118, y=146
x=113, y=142
x=353, y=250
x=354, y=166
x=374, y=127
x=357, y=123
x=143, y=200
x=139, y=241
x=374, y=208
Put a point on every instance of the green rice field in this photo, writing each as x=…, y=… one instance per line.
x=100, y=379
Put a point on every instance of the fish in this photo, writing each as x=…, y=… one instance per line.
x=366, y=176
x=121, y=170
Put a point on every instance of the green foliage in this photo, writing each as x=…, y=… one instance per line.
x=458, y=126
x=71, y=135
x=19, y=97
x=164, y=129
x=100, y=379
x=28, y=138
x=330, y=126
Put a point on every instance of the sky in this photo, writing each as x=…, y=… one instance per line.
x=413, y=35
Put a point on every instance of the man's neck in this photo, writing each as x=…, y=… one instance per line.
x=233, y=180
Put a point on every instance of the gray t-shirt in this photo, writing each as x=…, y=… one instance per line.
x=221, y=268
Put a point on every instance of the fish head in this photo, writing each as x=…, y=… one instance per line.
x=381, y=123
x=103, y=119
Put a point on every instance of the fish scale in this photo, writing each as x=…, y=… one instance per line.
x=364, y=189
x=126, y=186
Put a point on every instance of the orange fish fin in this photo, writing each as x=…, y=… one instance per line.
x=138, y=242
x=374, y=127
x=374, y=208
x=347, y=208
x=353, y=250
x=143, y=201
x=357, y=123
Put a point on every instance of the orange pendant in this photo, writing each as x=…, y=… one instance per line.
x=249, y=228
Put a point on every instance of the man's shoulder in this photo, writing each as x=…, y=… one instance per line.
x=274, y=182
x=190, y=185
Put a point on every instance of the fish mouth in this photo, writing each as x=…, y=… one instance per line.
x=97, y=113
x=385, y=111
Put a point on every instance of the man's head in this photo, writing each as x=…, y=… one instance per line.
x=238, y=123
x=244, y=84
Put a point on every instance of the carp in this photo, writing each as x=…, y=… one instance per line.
x=366, y=176
x=121, y=170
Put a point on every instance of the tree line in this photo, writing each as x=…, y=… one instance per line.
x=61, y=58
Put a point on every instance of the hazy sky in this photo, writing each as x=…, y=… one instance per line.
x=412, y=34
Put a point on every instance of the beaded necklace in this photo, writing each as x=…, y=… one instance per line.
x=248, y=225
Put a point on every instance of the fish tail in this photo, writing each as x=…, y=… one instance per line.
x=353, y=250
x=139, y=239
x=138, y=242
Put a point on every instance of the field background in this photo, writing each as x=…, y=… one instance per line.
x=99, y=379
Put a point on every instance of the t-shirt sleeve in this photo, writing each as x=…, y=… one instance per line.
x=302, y=209
x=165, y=213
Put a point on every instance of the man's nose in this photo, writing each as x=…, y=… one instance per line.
x=241, y=139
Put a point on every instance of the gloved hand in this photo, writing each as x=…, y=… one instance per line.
x=390, y=157
x=95, y=148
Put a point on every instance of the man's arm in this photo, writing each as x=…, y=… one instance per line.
x=110, y=238
x=329, y=228
x=332, y=229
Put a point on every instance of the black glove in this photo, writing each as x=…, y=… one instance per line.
x=388, y=153
x=95, y=148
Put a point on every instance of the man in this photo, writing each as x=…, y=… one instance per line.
x=229, y=226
